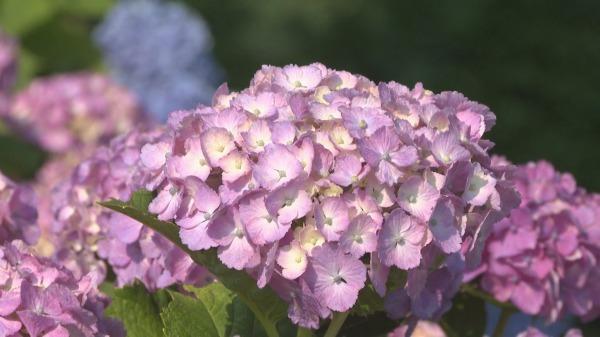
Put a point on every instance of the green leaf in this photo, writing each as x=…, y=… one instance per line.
x=136, y=308
x=465, y=305
x=268, y=308
x=244, y=322
x=368, y=303
x=212, y=311
x=209, y=314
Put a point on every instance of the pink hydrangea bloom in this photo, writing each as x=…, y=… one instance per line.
x=544, y=257
x=42, y=298
x=18, y=212
x=86, y=237
x=74, y=111
x=313, y=179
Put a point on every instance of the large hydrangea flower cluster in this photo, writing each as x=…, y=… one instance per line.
x=72, y=112
x=85, y=236
x=40, y=298
x=544, y=257
x=162, y=52
x=311, y=179
x=18, y=213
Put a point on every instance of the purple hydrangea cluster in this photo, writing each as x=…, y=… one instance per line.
x=72, y=112
x=86, y=236
x=544, y=257
x=314, y=180
x=40, y=298
x=18, y=213
x=162, y=52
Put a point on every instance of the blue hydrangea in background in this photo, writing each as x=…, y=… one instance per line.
x=162, y=52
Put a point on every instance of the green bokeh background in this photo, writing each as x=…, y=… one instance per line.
x=535, y=63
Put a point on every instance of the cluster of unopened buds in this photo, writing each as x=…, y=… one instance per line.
x=311, y=179
x=544, y=257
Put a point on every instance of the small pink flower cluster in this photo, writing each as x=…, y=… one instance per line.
x=72, y=112
x=40, y=298
x=18, y=213
x=309, y=173
x=82, y=231
x=544, y=257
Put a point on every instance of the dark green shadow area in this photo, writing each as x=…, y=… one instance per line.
x=18, y=159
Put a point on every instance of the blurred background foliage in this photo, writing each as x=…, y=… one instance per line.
x=535, y=63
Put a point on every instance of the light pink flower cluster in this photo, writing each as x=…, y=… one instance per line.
x=544, y=257
x=309, y=173
x=72, y=112
x=40, y=298
x=86, y=236
x=18, y=214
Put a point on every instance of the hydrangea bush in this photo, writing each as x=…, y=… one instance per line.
x=282, y=209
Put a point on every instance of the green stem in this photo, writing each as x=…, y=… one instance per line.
x=336, y=323
x=502, y=321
